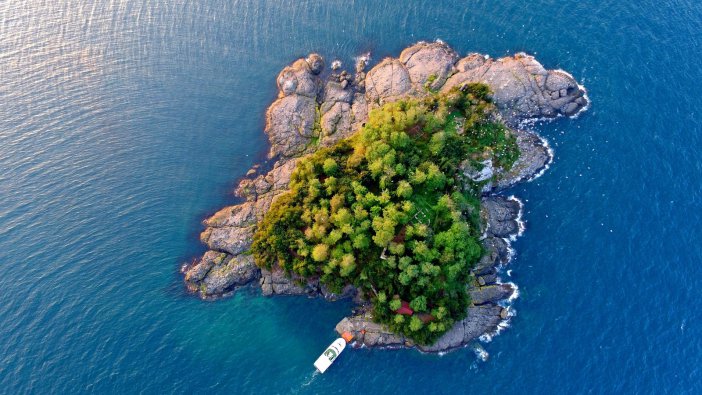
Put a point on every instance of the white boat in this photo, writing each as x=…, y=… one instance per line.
x=329, y=355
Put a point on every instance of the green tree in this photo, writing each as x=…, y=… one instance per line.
x=320, y=252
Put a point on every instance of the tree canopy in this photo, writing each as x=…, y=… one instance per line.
x=389, y=212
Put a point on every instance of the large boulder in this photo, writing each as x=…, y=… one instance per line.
x=501, y=216
x=290, y=125
x=429, y=64
x=217, y=273
x=490, y=293
x=277, y=282
x=534, y=157
x=386, y=82
x=369, y=333
x=497, y=252
x=231, y=239
x=300, y=78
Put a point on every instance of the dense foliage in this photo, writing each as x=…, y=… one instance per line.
x=383, y=211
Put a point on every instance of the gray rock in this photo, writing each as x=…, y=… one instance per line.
x=501, y=216
x=487, y=279
x=316, y=63
x=479, y=320
x=242, y=215
x=336, y=123
x=217, y=273
x=298, y=79
x=235, y=271
x=337, y=117
x=276, y=282
x=348, y=291
x=490, y=293
x=361, y=64
x=198, y=271
x=429, y=64
x=534, y=156
x=470, y=62
x=369, y=333
x=498, y=251
x=504, y=313
x=483, y=171
x=231, y=239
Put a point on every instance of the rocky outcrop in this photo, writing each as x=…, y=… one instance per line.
x=217, y=273
x=522, y=87
x=311, y=112
x=534, y=157
x=501, y=216
x=369, y=333
x=276, y=282
x=429, y=65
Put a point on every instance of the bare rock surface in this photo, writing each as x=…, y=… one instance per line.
x=501, y=215
x=290, y=124
x=311, y=112
x=387, y=81
x=219, y=272
x=522, y=88
x=429, y=65
x=276, y=282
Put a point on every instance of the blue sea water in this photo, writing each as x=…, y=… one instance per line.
x=123, y=123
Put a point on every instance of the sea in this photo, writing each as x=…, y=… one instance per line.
x=125, y=123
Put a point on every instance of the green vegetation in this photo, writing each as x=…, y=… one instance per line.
x=387, y=210
x=430, y=80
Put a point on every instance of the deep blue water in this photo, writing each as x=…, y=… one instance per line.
x=124, y=123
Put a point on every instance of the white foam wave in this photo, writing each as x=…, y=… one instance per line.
x=551, y=155
x=486, y=337
x=481, y=353
x=514, y=295
x=366, y=57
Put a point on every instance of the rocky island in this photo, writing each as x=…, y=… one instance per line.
x=322, y=130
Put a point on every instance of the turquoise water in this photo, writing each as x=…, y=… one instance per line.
x=125, y=123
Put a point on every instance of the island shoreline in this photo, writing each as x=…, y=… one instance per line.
x=226, y=266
